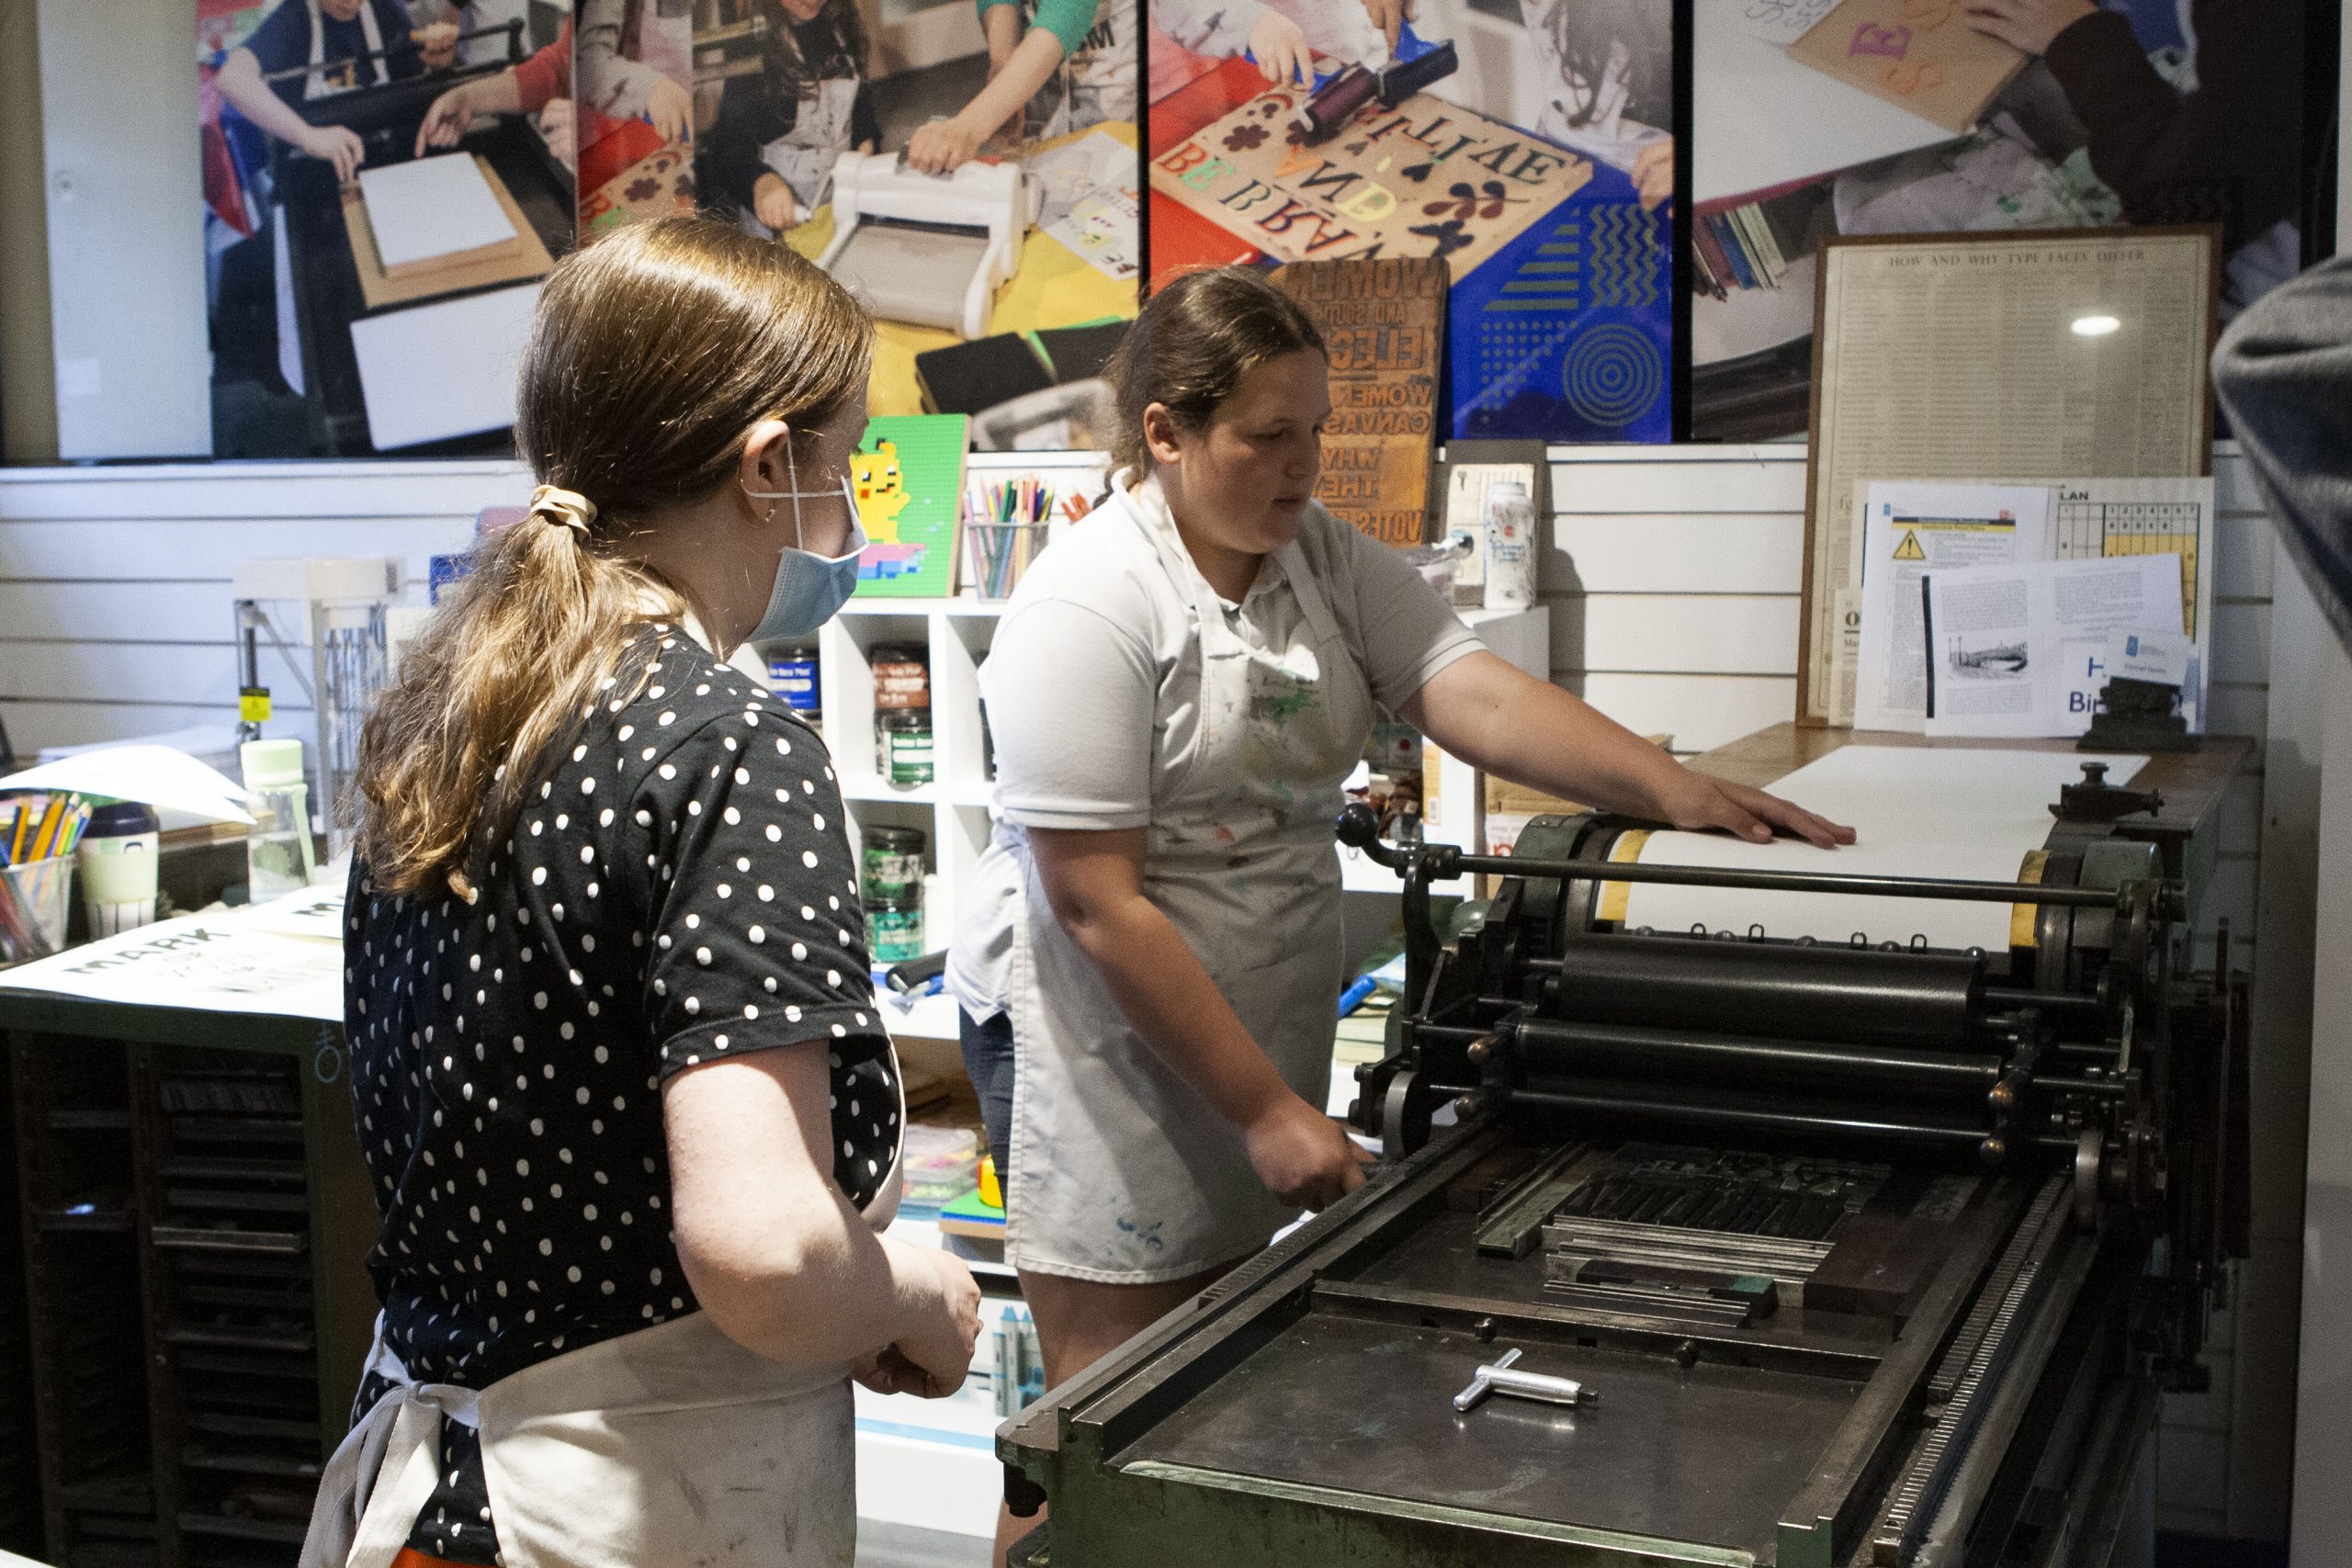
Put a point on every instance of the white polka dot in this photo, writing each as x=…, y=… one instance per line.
x=776, y=834
x=702, y=956
x=808, y=858
x=758, y=934
x=538, y=875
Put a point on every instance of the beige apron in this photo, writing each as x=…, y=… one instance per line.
x=1121, y=1171
x=673, y=1444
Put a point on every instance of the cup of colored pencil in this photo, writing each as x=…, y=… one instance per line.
x=37, y=834
x=1007, y=526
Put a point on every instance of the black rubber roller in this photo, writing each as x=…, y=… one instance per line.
x=1923, y=1001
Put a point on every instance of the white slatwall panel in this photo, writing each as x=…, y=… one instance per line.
x=1672, y=576
x=114, y=584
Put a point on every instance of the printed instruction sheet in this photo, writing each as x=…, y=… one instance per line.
x=2083, y=519
x=1909, y=530
x=2022, y=649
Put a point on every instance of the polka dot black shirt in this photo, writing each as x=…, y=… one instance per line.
x=678, y=888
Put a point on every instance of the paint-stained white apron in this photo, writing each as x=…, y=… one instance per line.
x=1121, y=1171
x=671, y=1445
x=804, y=156
x=1094, y=84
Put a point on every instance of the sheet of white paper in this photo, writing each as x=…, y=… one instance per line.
x=1065, y=174
x=1909, y=529
x=154, y=775
x=220, y=962
x=1944, y=812
x=2022, y=649
x=432, y=207
x=443, y=371
x=2103, y=519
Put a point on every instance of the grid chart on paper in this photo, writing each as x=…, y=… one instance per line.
x=2088, y=530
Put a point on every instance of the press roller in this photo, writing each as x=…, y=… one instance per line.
x=1727, y=1245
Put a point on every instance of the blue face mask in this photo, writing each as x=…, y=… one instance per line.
x=810, y=587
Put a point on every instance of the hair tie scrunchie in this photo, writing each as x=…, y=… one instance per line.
x=563, y=509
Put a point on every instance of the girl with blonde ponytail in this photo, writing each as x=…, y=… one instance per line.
x=630, y=1110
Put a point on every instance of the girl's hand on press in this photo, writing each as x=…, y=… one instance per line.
x=772, y=203
x=943, y=146
x=1302, y=1156
x=2030, y=25
x=338, y=145
x=439, y=44
x=1280, y=49
x=1704, y=803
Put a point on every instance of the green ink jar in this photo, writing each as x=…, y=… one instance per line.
x=905, y=735
x=894, y=932
x=890, y=866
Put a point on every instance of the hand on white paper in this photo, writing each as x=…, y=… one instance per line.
x=2029, y=24
x=1708, y=803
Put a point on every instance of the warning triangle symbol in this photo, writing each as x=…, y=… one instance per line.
x=1909, y=548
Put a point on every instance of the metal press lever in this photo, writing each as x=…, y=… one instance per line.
x=1500, y=1378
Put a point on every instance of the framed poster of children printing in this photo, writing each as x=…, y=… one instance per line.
x=1526, y=147
x=384, y=183
x=969, y=169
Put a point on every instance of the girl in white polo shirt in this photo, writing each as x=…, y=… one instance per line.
x=1177, y=691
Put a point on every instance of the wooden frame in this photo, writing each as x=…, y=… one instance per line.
x=1985, y=462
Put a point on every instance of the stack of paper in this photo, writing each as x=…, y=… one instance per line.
x=434, y=212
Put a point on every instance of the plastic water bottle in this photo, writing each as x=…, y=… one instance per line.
x=1510, y=546
x=278, y=853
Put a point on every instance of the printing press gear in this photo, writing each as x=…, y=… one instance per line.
x=1881, y=1253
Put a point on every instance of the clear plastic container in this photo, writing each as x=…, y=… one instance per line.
x=279, y=856
x=939, y=1164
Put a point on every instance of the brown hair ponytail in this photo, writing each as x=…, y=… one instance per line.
x=651, y=355
x=1190, y=346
